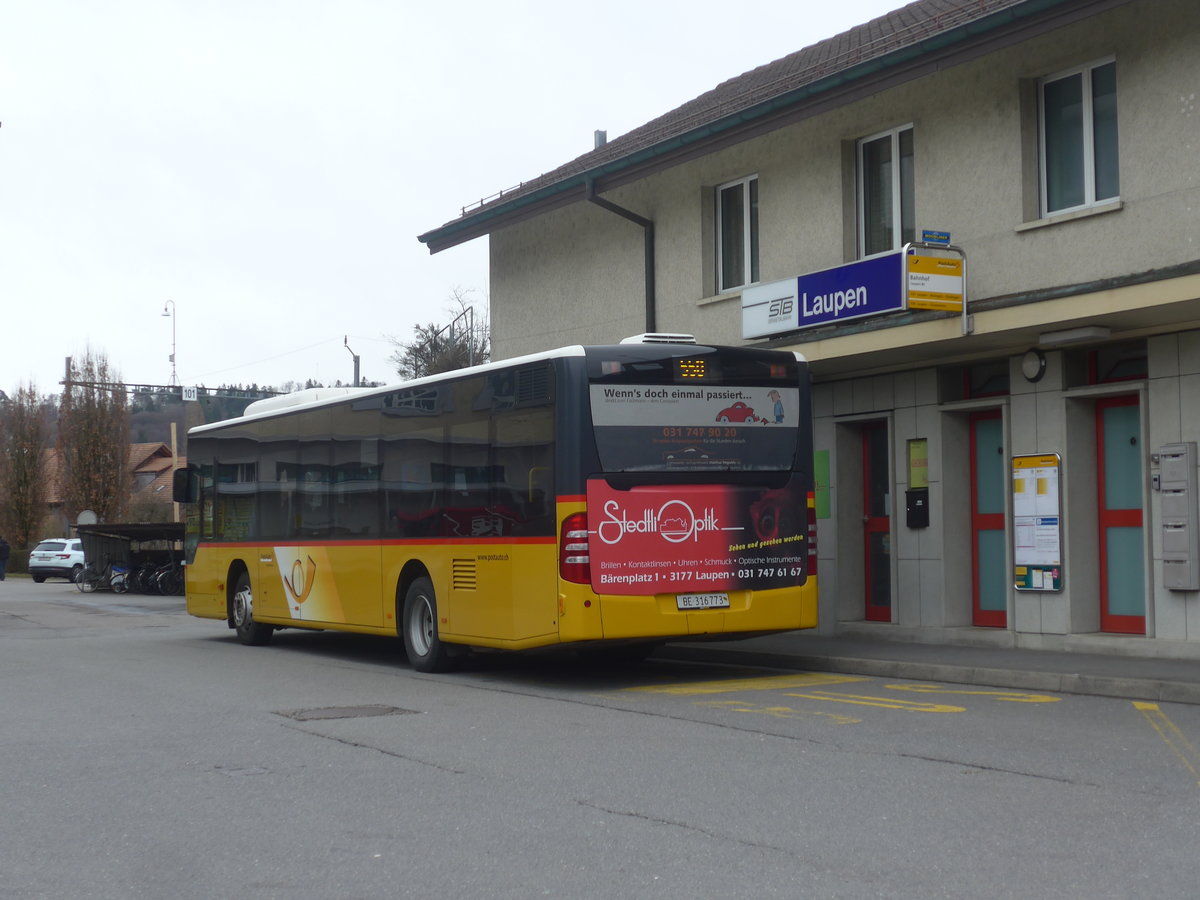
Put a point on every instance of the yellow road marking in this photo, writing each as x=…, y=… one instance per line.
x=1170, y=734
x=734, y=685
x=884, y=702
x=1008, y=696
x=777, y=712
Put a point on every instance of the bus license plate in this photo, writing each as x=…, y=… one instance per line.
x=702, y=601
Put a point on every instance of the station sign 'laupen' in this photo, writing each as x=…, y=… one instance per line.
x=868, y=287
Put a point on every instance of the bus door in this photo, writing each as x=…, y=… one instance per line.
x=877, y=537
x=267, y=588
x=1119, y=496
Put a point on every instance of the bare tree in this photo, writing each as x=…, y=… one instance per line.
x=93, y=440
x=22, y=466
x=463, y=341
x=143, y=508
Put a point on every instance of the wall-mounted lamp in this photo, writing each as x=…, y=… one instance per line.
x=1079, y=335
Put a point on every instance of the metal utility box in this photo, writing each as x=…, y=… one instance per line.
x=916, y=507
x=1180, y=515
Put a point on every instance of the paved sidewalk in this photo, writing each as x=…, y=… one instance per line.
x=1107, y=675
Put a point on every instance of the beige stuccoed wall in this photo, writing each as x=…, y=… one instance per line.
x=576, y=274
x=573, y=276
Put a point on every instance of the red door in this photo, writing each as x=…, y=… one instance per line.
x=877, y=538
x=1119, y=495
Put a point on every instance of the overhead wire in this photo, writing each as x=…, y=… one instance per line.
x=265, y=359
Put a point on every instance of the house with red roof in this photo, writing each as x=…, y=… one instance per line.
x=151, y=468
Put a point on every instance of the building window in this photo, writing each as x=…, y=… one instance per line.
x=1118, y=362
x=988, y=379
x=1078, y=130
x=737, y=233
x=885, y=191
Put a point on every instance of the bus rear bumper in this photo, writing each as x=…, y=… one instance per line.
x=588, y=616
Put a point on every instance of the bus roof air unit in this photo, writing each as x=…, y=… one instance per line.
x=660, y=338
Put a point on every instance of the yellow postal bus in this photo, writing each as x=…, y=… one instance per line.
x=611, y=496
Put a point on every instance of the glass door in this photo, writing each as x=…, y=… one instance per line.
x=989, y=582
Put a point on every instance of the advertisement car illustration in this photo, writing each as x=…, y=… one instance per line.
x=739, y=412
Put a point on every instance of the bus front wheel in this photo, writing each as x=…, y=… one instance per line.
x=425, y=650
x=249, y=632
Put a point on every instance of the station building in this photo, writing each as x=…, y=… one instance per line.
x=1021, y=472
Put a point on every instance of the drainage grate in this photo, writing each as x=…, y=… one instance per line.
x=345, y=712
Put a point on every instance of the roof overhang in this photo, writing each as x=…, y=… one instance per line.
x=136, y=531
x=1128, y=307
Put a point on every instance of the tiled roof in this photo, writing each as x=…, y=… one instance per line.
x=897, y=29
x=145, y=459
x=154, y=464
x=900, y=28
x=912, y=28
x=149, y=457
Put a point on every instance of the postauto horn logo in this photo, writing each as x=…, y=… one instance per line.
x=300, y=583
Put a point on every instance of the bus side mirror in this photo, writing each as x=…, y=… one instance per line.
x=186, y=485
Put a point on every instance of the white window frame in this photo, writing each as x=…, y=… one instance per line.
x=897, y=198
x=749, y=233
x=1087, y=103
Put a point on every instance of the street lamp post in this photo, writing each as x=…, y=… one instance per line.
x=171, y=313
x=346, y=344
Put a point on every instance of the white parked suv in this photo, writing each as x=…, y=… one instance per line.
x=56, y=558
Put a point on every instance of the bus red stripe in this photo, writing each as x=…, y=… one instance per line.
x=382, y=542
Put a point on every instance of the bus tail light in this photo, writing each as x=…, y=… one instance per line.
x=812, y=534
x=574, y=561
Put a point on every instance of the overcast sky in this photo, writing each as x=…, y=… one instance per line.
x=267, y=166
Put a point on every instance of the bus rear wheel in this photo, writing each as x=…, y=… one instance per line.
x=249, y=632
x=419, y=626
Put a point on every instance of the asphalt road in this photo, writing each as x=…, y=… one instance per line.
x=148, y=754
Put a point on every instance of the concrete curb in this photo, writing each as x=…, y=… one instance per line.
x=1125, y=688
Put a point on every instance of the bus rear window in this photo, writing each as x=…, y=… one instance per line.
x=692, y=413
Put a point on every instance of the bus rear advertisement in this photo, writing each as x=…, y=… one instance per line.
x=613, y=496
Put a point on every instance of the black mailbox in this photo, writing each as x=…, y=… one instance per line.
x=916, y=507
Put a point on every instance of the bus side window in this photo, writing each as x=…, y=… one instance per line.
x=407, y=458
x=537, y=494
x=278, y=475
x=523, y=450
x=207, y=512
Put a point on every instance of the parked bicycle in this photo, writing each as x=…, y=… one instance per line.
x=110, y=577
x=153, y=577
x=168, y=579
x=141, y=578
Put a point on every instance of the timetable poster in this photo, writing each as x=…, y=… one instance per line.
x=1037, y=523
